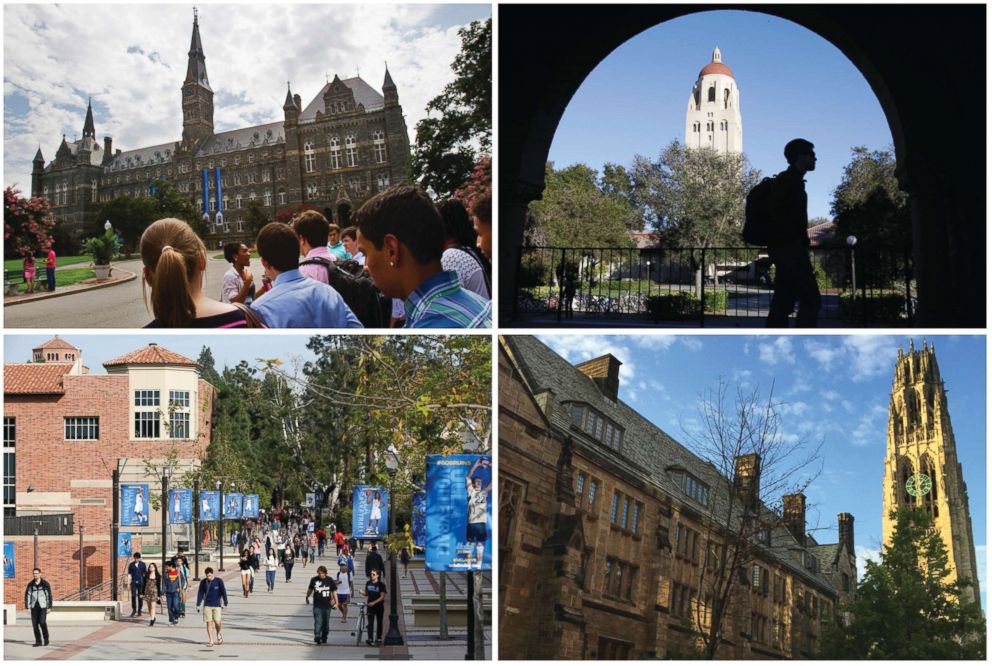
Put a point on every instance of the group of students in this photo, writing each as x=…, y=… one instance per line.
x=405, y=262
x=148, y=585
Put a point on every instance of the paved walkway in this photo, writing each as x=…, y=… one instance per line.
x=276, y=626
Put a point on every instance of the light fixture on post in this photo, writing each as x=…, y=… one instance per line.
x=107, y=226
x=220, y=524
x=851, y=242
x=393, y=636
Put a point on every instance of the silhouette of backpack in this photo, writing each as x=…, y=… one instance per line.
x=758, y=213
x=349, y=279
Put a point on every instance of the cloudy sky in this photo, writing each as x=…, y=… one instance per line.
x=132, y=60
x=835, y=388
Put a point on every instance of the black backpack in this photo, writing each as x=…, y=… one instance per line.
x=758, y=213
x=350, y=280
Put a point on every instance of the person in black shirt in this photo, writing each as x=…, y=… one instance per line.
x=325, y=597
x=136, y=572
x=38, y=600
x=375, y=590
x=373, y=562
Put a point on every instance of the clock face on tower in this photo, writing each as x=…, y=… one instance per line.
x=918, y=485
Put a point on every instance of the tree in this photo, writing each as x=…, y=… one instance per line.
x=129, y=216
x=447, y=147
x=575, y=212
x=27, y=224
x=618, y=182
x=694, y=198
x=908, y=606
x=743, y=438
x=869, y=204
x=286, y=215
x=478, y=184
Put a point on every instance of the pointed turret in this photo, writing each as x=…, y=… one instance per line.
x=289, y=107
x=196, y=70
x=717, y=56
x=38, y=157
x=89, y=130
x=198, y=97
x=37, y=171
x=389, y=93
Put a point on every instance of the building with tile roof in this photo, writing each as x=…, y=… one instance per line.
x=348, y=143
x=66, y=431
x=612, y=534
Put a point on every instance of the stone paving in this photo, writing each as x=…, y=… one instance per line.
x=276, y=626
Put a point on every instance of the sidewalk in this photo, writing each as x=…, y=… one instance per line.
x=276, y=626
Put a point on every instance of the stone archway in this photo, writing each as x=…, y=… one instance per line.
x=926, y=67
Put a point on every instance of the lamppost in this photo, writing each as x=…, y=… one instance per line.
x=470, y=444
x=851, y=242
x=107, y=226
x=220, y=524
x=393, y=636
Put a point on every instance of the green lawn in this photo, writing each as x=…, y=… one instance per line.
x=63, y=278
x=11, y=264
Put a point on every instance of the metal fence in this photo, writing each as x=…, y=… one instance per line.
x=47, y=524
x=705, y=285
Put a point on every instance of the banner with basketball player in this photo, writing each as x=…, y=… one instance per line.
x=459, y=512
x=370, y=512
x=209, y=505
x=180, y=505
x=418, y=519
x=134, y=504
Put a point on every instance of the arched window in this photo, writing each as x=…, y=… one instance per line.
x=351, y=151
x=726, y=98
x=268, y=197
x=282, y=196
x=309, y=158
x=237, y=201
x=379, y=146
x=905, y=471
x=382, y=181
x=335, y=144
x=711, y=96
x=252, y=196
x=213, y=204
x=356, y=186
x=311, y=190
x=930, y=499
x=709, y=126
x=241, y=225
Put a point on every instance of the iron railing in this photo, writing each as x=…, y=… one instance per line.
x=47, y=524
x=700, y=285
x=100, y=592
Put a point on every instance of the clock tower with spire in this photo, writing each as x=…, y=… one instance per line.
x=198, y=96
x=921, y=463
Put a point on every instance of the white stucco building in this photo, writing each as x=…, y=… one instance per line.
x=713, y=116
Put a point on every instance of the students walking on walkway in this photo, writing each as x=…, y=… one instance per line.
x=375, y=590
x=38, y=600
x=173, y=586
x=271, y=564
x=325, y=597
x=211, y=594
x=152, y=591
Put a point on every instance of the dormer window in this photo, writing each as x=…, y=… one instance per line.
x=693, y=487
x=597, y=426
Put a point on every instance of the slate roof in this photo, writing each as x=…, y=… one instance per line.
x=143, y=157
x=151, y=355
x=365, y=95
x=644, y=443
x=96, y=150
x=34, y=378
x=56, y=343
x=248, y=137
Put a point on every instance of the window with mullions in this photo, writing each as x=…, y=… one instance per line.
x=146, y=425
x=597, y=426
x=9, y=431
x=580, y=482
x=613, y=509
x=179, y=425
x=146, y=398
x=178, y=398
x=82, y=427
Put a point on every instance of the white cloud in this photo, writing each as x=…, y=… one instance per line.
x=133, y=63
x=822, y=352
x=655, y=342
x=869, y=355
x=797, y=408
x=871, y=427
x=692, y=344
x=863, y=555
x=981, y=552
x=779, y=349
x=578, y=348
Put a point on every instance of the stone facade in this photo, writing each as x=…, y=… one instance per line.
x=347, y=144
x=921, y=462
x=69, y=430
x=713, y=115
x=603, y=556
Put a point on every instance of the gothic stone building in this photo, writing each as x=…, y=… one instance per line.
x=65, y=431
x=921, y=461
x=348, y=143
x=610, y=531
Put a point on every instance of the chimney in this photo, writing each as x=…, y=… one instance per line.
x=794, y=516
x=605, y=372
x=546, y=399
x=298, y=102
x=747, y=479
x=108, y=142
x=845, y=531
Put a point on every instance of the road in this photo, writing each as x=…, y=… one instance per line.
x=119, y=306
x=274, y=626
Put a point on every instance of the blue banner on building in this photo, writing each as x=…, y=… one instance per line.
x=220, y=193
x=232, y=505
x=206, y=192
x=180, y=505
x=123, y=544
x=418, y=521
x=8, y=559
x=370, y=512
x=249, y=507
x=209, y=505
x=134, y=504
x=459, y=513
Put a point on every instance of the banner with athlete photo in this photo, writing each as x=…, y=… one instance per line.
x=180, y=505
x=459, y=513
x=134, y=504
x=232, y=505
x=209, y=505
x=249, y=506
x=418, y=521
x=8, y=559
x=123, y=544
x=370, y=512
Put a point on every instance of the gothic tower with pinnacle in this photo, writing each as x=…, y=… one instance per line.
x=198, y=96
x=713, y=114
x=921, y=463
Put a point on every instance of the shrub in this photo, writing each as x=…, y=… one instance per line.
x=678, y=306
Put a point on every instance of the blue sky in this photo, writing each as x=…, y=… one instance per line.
x=834, y=387
x=133, y=63
x=792, y=82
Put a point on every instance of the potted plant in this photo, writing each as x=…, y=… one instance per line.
x=102, y=249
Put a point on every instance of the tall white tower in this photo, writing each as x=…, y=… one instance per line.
x=713, y=116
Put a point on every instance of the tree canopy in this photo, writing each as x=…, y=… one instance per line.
x=27, y=224
x=869, y=204
x=907, y=606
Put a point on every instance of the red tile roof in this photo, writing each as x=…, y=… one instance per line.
x=716, y=68
x=57, y=343
x=151, y=355
x=34, y=378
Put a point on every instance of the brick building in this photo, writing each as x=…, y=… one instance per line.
x=66, y=430
x=610, y=531
x=348, y=143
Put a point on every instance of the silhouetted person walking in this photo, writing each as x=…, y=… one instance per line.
x=788, y=241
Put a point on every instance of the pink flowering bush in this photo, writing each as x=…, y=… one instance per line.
x=478, y=184
x=27, y=224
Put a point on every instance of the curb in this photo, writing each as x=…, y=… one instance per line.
x=77, y=288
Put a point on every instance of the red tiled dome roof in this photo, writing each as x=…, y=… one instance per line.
x=716, y=68
x=151, y=355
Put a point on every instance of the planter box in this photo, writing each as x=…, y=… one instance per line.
x=102, y=272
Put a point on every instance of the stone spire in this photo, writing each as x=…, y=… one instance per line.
x=196, y=70
x=89, y=130
x=389, y=93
